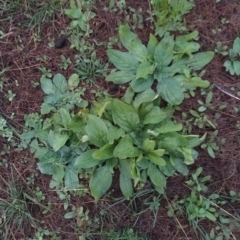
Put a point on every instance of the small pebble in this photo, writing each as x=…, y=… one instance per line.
x=60, y=42
x=113, y=87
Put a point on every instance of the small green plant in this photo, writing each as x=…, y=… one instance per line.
x=38, y=194
x=134, y=135
x=118, y=6
x=46, y=72
x=61, y=93
x=125, y=234
x=170, y=62
x=5, y=130
x=43, y=233
x=207, y=104
x=232, y=65
x=10, y=95
x=80, y=17
x=210, y=144
x=221, y=49
x=14, y=210
x=90, y=68
x=201, y=120
x=169, y=15
x=66, y=62
x=197, y=207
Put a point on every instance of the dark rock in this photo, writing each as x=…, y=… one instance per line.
x=113, y=87
x=60, y=42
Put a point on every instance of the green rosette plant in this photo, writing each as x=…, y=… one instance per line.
x=171, y=63
x=133, y=135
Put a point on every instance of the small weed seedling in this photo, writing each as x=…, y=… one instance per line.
x=201, y=120
x=46, y=72
x=61, y=93
x=197, y=207
x=10, y=95
x=66, y=62
x=210, y=144
x=90, y=68
x=80, y=14
x=5, y=130
x=14, y=211
x=169, y=15
x=125, y=234
x=232, y=65
x=207, y=104
x=221, y=49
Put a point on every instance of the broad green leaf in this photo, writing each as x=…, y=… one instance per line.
x=57, y=140
x=45, y=167
x=86, y=160
x=70, y=215
x=47, y=160
x=60, y=82
x=236, y=66
x=97, y=131
x=100, y=182
x=210, y=216
x=152, y=44
x=73, y=13
x=124, y=115
x=236, y=45
x=135, y=173
x=194, y=141
x=144, y=109
x=143, y=97
x=114, y=133
x=229, y=67
x=141, y=84
x=100, y=107
x=181, y=167
x=132, y=43
x=144, y=70
x=155, y=157
x=156, y=177
x=148, y=145
x=123, y=61
x=46, y=108
x=120, y=77
x=126, y=185
x=65, y=117
x=104, y=152
x=172, y=140
x=28, y=135
x=184, y=46
x=73, y=81
x=128, y=96
x=125, y=167
x=197, y=62
x=191, y=83
x=58, y=172
x=187, y=154
x=164, y=52
x=210, y=152
x=71, y=179
x=42, y=134
x=168, y=126
x=156, y=115
x=53, y=98
x=125, y=149
x=47, y=85
x=171, y=91
x=168, y=170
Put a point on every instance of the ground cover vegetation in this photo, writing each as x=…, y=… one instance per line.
x=119, y=119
